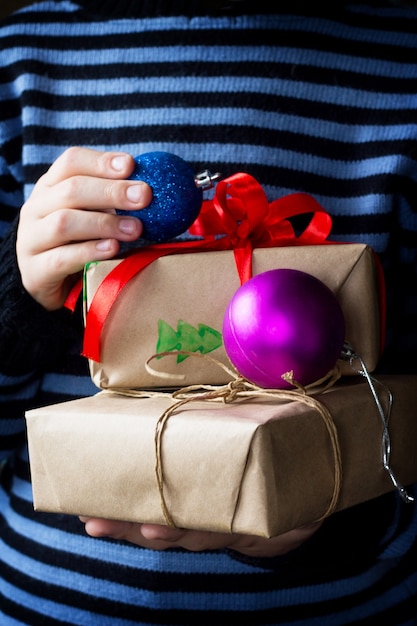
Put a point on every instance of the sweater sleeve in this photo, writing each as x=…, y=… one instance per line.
x=30, y=336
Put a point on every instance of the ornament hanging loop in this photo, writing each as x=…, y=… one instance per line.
x=206, y=180
x=348, y=354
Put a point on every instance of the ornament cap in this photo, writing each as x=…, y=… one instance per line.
x=206, y=180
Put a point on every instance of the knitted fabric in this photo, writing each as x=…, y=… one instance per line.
x=323, y=103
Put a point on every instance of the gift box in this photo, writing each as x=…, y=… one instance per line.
x=177, y=303
x=260, y=465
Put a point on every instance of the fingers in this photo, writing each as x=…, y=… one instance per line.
x=159, y=537
x=86, y=179
x=94, y=193
x=47, y=255
x=67, y=226
x=96, y=527
x=165, y=533
x=76, y=160
x=70, y=219
x=124, y=531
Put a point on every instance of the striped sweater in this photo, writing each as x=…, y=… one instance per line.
x=309, y=100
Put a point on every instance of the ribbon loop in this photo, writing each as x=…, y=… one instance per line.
x=240, y=211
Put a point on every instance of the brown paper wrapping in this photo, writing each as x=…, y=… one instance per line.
x=197, y=288
x=252, y=466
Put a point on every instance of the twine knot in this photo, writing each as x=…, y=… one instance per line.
x=239, y=388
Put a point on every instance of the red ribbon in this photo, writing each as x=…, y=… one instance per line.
x=241, y=212
x=238, y=218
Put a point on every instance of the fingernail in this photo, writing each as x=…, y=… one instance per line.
x=118, y=163
x=134, y=193
x=103, y=245
x=128, y=226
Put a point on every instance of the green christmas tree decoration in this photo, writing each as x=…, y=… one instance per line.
x=202, y=339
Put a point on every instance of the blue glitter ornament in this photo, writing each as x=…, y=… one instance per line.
x=177, y=196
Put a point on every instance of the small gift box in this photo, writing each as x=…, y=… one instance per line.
x=261, y=465
x=178, y=303
x=172, y=298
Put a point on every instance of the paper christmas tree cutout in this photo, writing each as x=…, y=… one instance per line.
x=188, y=338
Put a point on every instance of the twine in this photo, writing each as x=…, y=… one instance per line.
x=239, y=388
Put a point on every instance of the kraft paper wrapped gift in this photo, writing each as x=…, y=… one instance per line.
x=259, y=466
x=184, y=297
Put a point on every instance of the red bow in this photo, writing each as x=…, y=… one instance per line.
x=241, y=212
x=238, y=218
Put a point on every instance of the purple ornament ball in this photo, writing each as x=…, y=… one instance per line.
x=280, y=321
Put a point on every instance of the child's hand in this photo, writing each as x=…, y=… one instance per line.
x=156, y=537
x=69, y=220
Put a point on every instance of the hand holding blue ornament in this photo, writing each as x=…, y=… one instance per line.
x=281, y=321
x=177, y=195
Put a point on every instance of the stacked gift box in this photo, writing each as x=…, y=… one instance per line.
x=263, y=461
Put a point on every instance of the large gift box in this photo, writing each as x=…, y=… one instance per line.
x=177, y=303
x=261, y=466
